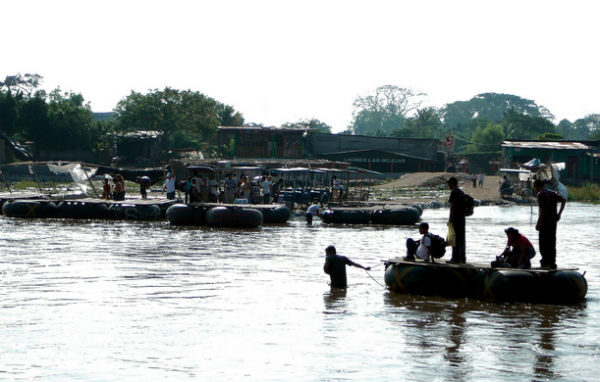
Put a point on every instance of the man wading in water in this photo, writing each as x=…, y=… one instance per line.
x=335, y=267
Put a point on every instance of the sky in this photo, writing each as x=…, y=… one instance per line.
x=283, y=61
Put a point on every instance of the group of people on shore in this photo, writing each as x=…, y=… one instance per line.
x=198, y=190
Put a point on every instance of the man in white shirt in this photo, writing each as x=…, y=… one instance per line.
x=214, y=186
x=312, y=211
x=266, y=186
x=422, y=248
x=170, y=187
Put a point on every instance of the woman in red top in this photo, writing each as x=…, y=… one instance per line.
x=522, y=249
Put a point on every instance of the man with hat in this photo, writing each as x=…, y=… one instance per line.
x=335, y=267
x=457, y=219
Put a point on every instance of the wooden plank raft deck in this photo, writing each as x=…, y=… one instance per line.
x=474, y=265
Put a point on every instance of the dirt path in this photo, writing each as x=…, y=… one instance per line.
x=489, y=192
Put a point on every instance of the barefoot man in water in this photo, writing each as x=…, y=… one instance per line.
x=335, y=267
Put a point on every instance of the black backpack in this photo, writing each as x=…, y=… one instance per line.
x=438, y=245
x=469, y=204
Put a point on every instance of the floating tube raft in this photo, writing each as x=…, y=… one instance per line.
x=552, y=287
x=81, y=210
x=481, y=281
x=134, y=212
x=29, y=209
x=238, y=217
x=277, y=215
x=400, y=216
x=346, y=216
x=182, y=214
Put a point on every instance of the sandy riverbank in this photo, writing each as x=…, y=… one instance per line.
x=425, y=185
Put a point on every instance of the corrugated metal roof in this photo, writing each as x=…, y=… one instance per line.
x=548, y=145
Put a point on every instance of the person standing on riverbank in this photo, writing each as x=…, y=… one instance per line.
x=335, y=267
x=480, y=177
x=457, y=219
x=547, y=221
x=474, y=179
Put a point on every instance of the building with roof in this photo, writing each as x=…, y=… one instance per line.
x=580, y=157
x=262, y=142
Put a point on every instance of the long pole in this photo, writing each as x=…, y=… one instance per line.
x=89, y=180
x=5, y=182
x=36, y=178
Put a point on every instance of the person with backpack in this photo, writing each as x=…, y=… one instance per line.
x=423, y=248
x=457, y=219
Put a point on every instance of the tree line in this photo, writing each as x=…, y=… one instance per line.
x=479, y=124
x=61, y=120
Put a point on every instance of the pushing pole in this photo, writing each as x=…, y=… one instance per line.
x=5, y=182
x=36, y=178
x=89, y=180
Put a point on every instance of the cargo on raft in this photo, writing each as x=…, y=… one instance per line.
x=478, y=280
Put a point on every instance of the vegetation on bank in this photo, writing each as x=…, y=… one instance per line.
x=590, y=192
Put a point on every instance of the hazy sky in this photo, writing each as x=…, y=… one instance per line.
x=281, y=61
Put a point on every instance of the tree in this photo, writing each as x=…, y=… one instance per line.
x=228, y=116
x=521, y=126
x=322, y=127
x=385, y=110
x=8, y=113
x=549, y=137
x=70, y=122
x=168, y=111
x=25, y=84
x=492, y=106
x=566, y=129
x=486, y=140
x=425, y=124
x=587, y=126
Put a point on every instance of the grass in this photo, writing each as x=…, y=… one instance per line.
x=590, y=192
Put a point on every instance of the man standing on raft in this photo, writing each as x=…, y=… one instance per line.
x=457, y=219
x=547, y=222
x=335, y=267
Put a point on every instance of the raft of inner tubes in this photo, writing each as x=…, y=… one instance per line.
x=226, y=216
x=29, y=209
x=81, y=210
x=133, y=212
x=505, y=285
x=396, y=215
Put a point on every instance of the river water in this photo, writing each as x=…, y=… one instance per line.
x=133, y=301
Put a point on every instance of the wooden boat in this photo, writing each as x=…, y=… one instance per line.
x=562, y=286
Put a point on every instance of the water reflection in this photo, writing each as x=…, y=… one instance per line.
x=142, y=301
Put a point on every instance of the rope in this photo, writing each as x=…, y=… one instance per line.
x=374, y=279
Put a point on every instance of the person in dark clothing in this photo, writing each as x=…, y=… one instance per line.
x=335, y=267
x=547, y=221
x=457, y=218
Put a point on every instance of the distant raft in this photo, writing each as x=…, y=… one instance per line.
x=29, y=209
x=398, y=215
x=235, y=217
x=504, y=285
x=133, y=212
x=182, y=214
x=346, y=216
x=81, y=210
